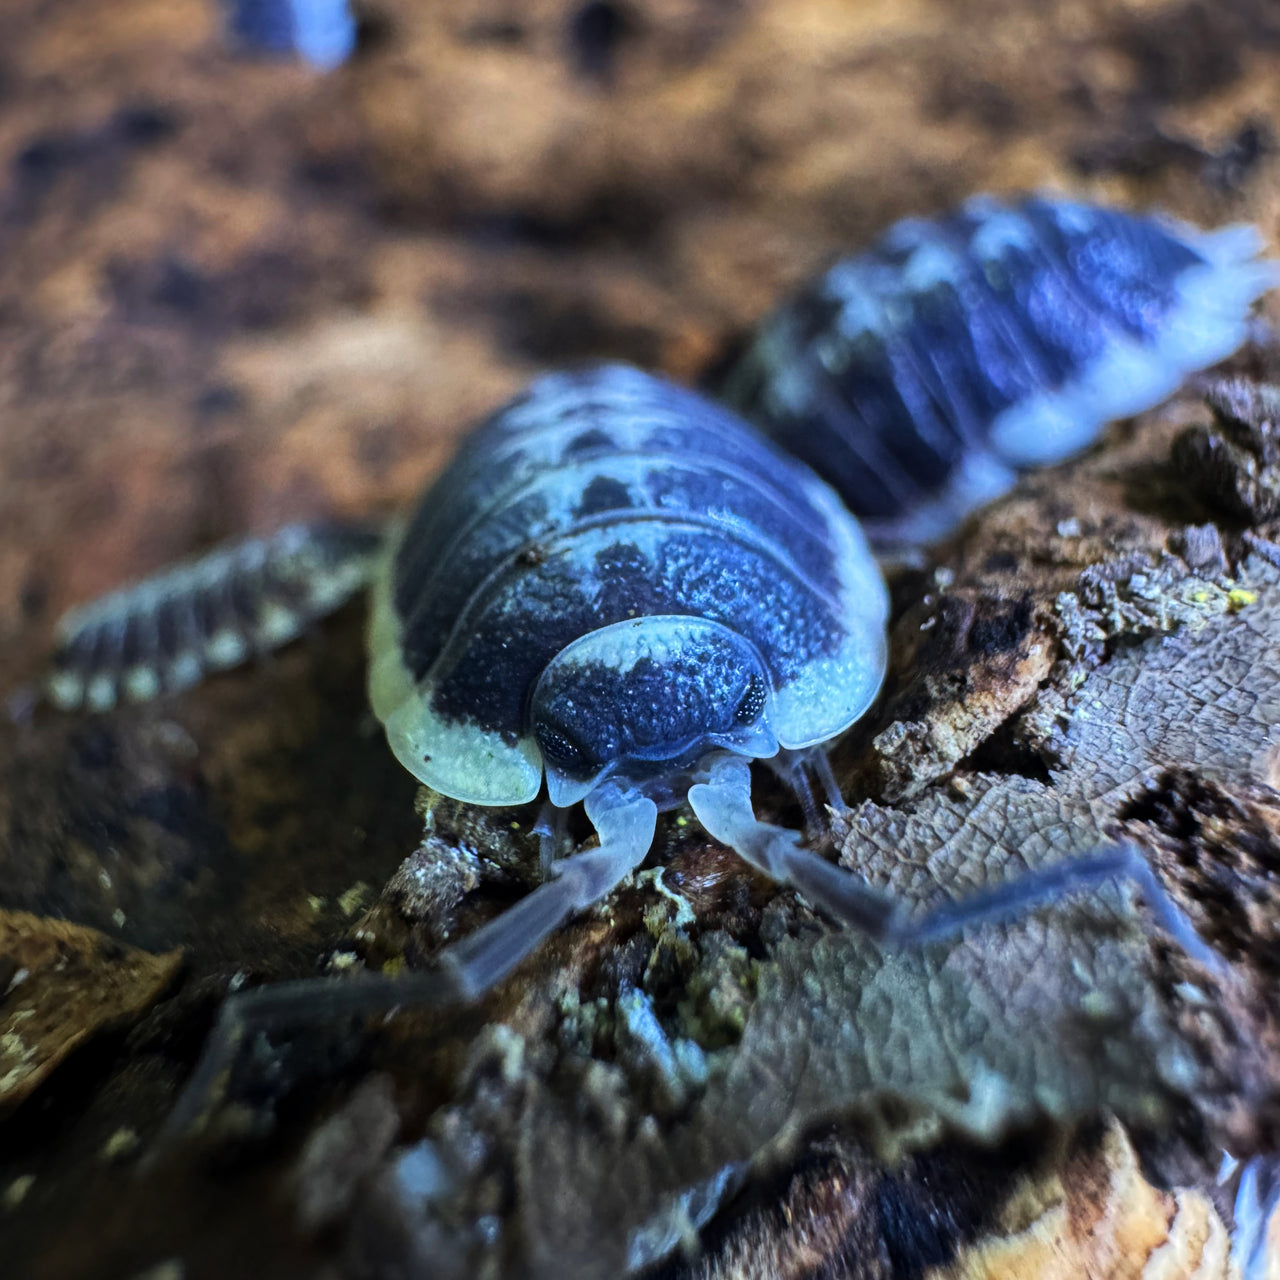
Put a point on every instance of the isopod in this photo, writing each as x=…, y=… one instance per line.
x=918, y=376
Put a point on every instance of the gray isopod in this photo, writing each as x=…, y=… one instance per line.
x=621, y=586
x=918, y=376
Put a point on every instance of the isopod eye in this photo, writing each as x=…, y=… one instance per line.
x=752, y=703
x=559, y=749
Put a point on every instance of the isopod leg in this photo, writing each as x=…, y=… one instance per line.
x=277, y=1007
x=817, y=760
x=625, y=822
x=788, y=767
x=462, y=972
x=1048, y=884
x=723, y=806
x=801, y=770
x=551, y=829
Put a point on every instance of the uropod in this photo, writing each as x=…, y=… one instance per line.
x=624, y=593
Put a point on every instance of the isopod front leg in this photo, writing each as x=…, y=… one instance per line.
x=723, y=805
x=462, y=972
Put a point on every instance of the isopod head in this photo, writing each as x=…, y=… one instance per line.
x=648, y=697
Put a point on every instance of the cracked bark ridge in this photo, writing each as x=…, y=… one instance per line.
x=964, y=660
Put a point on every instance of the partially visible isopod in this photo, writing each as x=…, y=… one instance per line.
x=917, y=376
x=166, y=633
